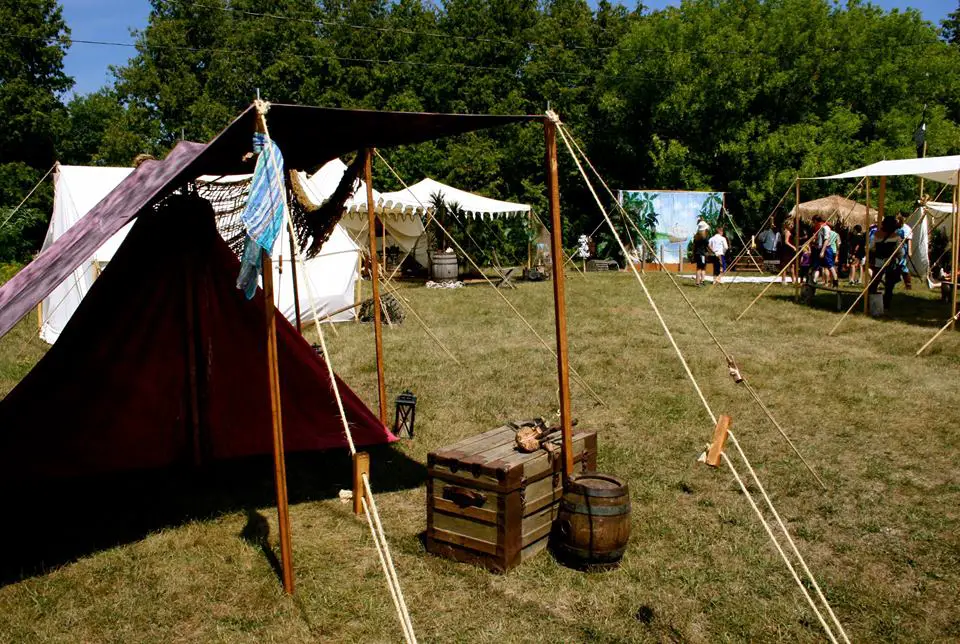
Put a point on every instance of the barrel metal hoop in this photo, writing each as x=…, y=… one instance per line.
x=599, y=493
x=609, y=555
x=595, y=510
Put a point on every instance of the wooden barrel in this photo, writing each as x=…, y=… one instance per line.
x=444, y=266
x=593, y=521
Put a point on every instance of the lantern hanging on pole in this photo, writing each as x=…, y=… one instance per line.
x=406, y=413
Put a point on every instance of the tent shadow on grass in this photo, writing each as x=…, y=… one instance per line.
x=53, y=523
x=907, y=308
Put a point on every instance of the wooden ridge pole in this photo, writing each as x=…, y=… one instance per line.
x=559, y=304
x=375, y=282
x=279, y=462
x=868, y=278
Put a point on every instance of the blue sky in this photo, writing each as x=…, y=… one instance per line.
x=112, y=20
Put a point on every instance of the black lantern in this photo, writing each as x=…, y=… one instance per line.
x=406, y=412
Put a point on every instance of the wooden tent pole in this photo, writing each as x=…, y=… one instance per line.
x=375, y=282
x=796, y=241
x=296, y=289
x=279, y=462
x=922, y=156
x=556, y=253
x=868, y=278
x=954, y=251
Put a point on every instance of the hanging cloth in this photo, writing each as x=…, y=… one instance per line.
x=263, y=215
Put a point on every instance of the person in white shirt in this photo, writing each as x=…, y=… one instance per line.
x=718, y=247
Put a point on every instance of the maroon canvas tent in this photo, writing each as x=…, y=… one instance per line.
x=163, y=364
x=114, y=391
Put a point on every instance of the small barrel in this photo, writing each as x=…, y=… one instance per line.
x=445, y=266
x=593, y=522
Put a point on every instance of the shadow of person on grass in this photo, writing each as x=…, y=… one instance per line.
x=50, y=523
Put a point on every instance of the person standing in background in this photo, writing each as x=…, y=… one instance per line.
x=769, y=241
x=858, y=245
x=700, y=250
x=821, y=253
x=905, y=232
x=833, y=247
x=886, y=246
x=787, y=251
x=718, y=246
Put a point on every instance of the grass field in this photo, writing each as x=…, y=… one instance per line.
x=881, y=427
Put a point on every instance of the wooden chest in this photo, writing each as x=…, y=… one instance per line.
x=492, y=505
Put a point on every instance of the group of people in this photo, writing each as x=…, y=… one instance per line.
x=836, y=250
x=710, y=248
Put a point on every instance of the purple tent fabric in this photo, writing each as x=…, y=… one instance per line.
x=308, y=137
x=143, y=187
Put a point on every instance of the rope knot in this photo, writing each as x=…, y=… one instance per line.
x=734, y=370
x=262, y=106
x=553, y=117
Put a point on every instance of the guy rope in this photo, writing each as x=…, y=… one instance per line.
x=828, y=628
x=738, y=377
x=513, y=308
x=367, y=500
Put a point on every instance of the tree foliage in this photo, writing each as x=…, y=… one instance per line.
x=739, y=96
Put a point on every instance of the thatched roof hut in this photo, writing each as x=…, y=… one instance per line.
x=835, y=208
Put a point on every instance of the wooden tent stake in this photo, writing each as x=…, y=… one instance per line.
x=556, y=256
x=279, y=462
x=375, y=282
x=361, y=467
x=719, y=438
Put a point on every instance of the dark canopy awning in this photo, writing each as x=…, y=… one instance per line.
x=307, y=136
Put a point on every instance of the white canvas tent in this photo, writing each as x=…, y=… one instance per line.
x=401, y=212
x=474, y=205
x=945, y=169
x=401, y=216
x=77, y=189
x=939, y=169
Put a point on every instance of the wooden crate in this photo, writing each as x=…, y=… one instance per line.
x=492, y=505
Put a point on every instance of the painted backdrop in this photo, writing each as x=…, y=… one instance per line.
x=670, y=218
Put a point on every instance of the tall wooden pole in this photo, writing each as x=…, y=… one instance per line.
x=279, y=462
x=955, y=252
x=375, y=281
x=296, y=288
x=559, y=302
x=923, y=155
x=868, y=278
x=796, y=241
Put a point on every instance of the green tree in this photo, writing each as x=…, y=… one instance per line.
x=31, y=83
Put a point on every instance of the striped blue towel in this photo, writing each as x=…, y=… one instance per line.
x=262, y=216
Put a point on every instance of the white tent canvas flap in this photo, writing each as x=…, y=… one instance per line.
x=77, y=189
x=474, y=205
x=940, y=169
